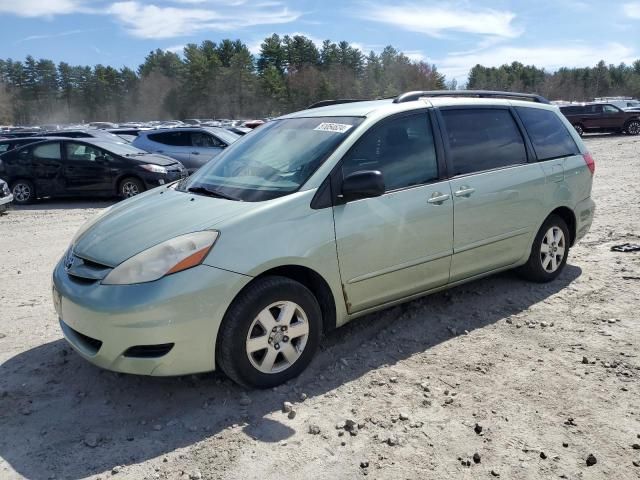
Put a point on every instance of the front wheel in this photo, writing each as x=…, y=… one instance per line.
x=130, y=187
x=270, y=333
x=549, y=251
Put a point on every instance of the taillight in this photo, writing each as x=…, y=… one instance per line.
x=591, y=163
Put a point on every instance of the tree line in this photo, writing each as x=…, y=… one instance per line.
x=220, y=80
x=225, y=80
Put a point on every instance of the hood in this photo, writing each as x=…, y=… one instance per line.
x=146, y=220
x=154, y=159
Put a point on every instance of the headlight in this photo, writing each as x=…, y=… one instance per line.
x=169, y=257
x=154, y=168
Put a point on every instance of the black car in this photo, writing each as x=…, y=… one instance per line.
x=7, y=144
x=601, y=117
x=86, y=167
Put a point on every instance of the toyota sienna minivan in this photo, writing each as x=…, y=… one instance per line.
x=319, y=217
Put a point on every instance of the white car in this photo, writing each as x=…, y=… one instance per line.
x=5, y=196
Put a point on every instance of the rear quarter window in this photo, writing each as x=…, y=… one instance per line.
x=548, y=133
x=483, y=139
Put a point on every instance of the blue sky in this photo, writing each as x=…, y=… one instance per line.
x=455, y=35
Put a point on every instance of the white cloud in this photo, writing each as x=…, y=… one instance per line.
x=549, y=57
x=41, y=8
x=632, y=10
x=152, y=21
x=51, y=35
x=435, y=21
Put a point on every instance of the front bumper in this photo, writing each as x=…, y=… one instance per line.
x=5, y=202
x=584, y=211
x=102, y=322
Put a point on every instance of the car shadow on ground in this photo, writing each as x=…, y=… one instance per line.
x=61, y=417
x=66, y=204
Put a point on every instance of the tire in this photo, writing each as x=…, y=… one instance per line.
x=252, y=347
x=544, y=266
x=24, y=192
x=633, y=127
x=579, y=129
x=130, y=187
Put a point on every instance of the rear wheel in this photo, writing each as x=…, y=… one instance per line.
x=633, y=127
x=579, y=129
x=549, y=251
x=130, y=187
x=270, y=333
x=23, y=192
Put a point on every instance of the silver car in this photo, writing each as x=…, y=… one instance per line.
x=193, y=147
x=5, y=196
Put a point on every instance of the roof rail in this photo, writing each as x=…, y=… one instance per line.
x=412, y=96
x=325, y=103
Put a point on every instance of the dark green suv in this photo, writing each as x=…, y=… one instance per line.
x=601, y=117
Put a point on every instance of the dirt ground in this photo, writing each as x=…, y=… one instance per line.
x=549, y=373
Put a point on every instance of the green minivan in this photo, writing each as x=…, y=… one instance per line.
x=319, y=217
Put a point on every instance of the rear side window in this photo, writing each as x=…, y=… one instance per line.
x=483, y=139
x=176, y=139
x=48, y=151
x=548, y=133
x=401, y=148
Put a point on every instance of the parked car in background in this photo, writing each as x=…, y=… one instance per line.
x=601, y=117
x=239, y=130
x=253, y=123
x=11, y=143
x=5, y=196
x=320, y=217
x=84, y=133
x=625, y=103
x=102, y=125
x=84, y=167
x=192, y=146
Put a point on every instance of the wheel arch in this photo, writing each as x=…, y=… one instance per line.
x=569, y=217
x=314, y=282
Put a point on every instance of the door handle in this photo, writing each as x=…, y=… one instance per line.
x=464, y=191
x=159, y=151
x=437, y=198
x=195, y=153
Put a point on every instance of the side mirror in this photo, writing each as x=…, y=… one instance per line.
x=362, y=184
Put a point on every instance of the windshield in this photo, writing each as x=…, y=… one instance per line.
x=275, y=160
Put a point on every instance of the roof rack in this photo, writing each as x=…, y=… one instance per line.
x=325, y=103
x=412, y=96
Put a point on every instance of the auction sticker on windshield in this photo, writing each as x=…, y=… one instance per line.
x=333, y=127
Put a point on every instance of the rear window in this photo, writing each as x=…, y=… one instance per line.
x=548, y=133
x=483, y=139
x=176, y=139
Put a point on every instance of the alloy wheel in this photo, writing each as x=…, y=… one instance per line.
x=633, y=128
x=130, y=189
x=579, y=129
x=277, y=337
x=552, y=249
x=21, y=192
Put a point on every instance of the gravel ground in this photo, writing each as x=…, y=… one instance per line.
x=495, y=378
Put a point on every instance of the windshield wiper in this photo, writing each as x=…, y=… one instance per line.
x=211, y=193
